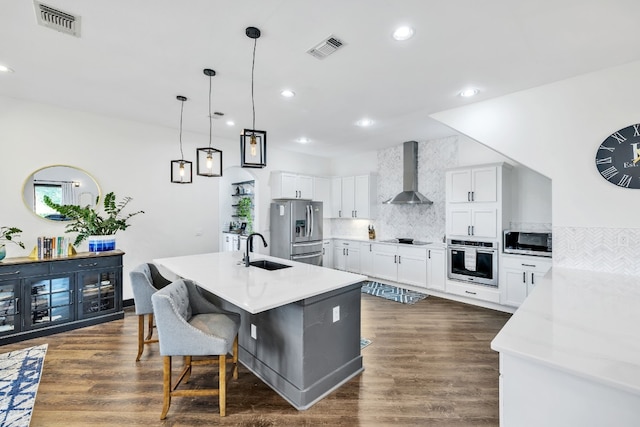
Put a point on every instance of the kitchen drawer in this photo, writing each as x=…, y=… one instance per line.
x=385, y=248
x=484, y=293
x=526, y=262
x=413, y=252
x=85, y=264
x=23, y=270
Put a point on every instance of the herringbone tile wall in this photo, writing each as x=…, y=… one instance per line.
x=614, y=250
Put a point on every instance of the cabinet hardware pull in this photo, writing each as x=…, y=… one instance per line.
x=399, y=259
x=528, y=265
x=395, y=259
x=347, y=251
x=468, y=230
x=17, y=306
x=322, y=251
x=10, y=274
x=472, y=231
x=532, y=282
x=524, y=277
x=469, y=292
x=429, y=254
x=468, y=196
x=343, y=252
x=340, y=214
x=93, y=264
x=473, y=196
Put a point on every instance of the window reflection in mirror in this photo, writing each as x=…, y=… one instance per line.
x=65, y=185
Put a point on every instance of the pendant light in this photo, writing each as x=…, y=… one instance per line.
x=209, y=159
x=181, y=172
x=253, y=143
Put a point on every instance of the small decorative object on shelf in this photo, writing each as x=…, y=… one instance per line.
x=89, y=223
x=7, y=234
x=52, y=247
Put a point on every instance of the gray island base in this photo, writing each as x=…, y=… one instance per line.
x=300, y=327
x=298, y=350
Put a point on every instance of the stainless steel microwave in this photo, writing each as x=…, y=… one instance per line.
x=528, y=243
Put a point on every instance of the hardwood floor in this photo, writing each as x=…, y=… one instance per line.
x=428, y=364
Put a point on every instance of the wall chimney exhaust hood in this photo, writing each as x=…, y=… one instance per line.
x=410, y=195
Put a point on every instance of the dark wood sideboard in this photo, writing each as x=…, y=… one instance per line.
x=40, y=297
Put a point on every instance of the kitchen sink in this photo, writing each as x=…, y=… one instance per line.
x=268, y=265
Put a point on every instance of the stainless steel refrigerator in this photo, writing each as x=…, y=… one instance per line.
x=296, y=230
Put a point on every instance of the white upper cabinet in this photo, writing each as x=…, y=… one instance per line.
x=285, y=185
x=354, y=196
x=472, y=185
x=322, y=193
x=478, y=201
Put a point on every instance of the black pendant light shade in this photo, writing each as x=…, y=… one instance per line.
x=209, y=159
x=181, y=170
x=253, y=143
x=253, y=148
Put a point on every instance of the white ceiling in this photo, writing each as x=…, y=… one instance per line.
x=135, y=56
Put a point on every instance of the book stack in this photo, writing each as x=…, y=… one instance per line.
x=53, y=247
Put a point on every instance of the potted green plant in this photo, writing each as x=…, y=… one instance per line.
x=91, y=224
x=244, y=211
x=7, y=234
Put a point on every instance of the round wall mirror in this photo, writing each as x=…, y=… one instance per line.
x=65, y=185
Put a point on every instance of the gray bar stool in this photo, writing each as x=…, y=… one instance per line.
x=145, y=281
x=190, y=325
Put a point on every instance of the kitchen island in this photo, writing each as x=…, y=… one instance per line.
x=570, y=355
x=300, y=330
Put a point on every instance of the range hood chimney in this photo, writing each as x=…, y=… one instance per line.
x=410, y=195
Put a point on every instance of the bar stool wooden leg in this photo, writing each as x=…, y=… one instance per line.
x=150, y=327
x=235, y=358
x=166, y=386
x=140, y=336
x=222, y=386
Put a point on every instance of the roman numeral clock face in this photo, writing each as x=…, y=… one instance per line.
x=618, y=157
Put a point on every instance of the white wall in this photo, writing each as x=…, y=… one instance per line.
x=130, y=159
x=556, y=130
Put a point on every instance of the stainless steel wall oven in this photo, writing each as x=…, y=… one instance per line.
x=473, y=261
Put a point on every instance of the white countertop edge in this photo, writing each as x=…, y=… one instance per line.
x=580, y=322
x=429, y=245
x=222, y=274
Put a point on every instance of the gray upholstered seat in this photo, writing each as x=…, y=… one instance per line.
x=189, y=325
x=145, y=281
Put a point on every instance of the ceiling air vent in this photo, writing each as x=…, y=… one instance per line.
x=61, y=21
x=326, y=47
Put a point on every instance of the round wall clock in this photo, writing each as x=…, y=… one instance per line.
x=618, y=157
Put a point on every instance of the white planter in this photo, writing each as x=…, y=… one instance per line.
x=102, y=243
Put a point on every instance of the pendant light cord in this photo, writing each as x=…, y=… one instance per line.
x=181, y=111
x=253, y=65
x=210, y=121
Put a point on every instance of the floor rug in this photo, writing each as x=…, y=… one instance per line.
x=19, y=378
x=364, y=342
x=392, y=293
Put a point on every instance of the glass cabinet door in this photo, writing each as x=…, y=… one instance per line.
x=9, y=307
x=51, y=301
x=97, y=292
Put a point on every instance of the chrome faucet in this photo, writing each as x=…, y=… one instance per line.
x=250, y=246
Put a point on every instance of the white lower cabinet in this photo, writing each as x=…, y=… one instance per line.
x=346, y=255
x=327, y=253
x=366, y=258
x=436, y=269
x=519, y=275
x=400, y=264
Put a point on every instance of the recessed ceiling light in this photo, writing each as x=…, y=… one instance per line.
x=403, y=33
x=303, y=140
x=5, y=69
x=364, y=122
x=288, y=93
x=469, y=92
x=231, y=123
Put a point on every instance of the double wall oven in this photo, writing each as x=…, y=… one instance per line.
x=473, y=261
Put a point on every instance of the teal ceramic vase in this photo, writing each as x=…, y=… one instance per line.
x=3, y=252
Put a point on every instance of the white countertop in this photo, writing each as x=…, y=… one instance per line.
x=254, y=289
x=583, y=322
x=387, y=242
